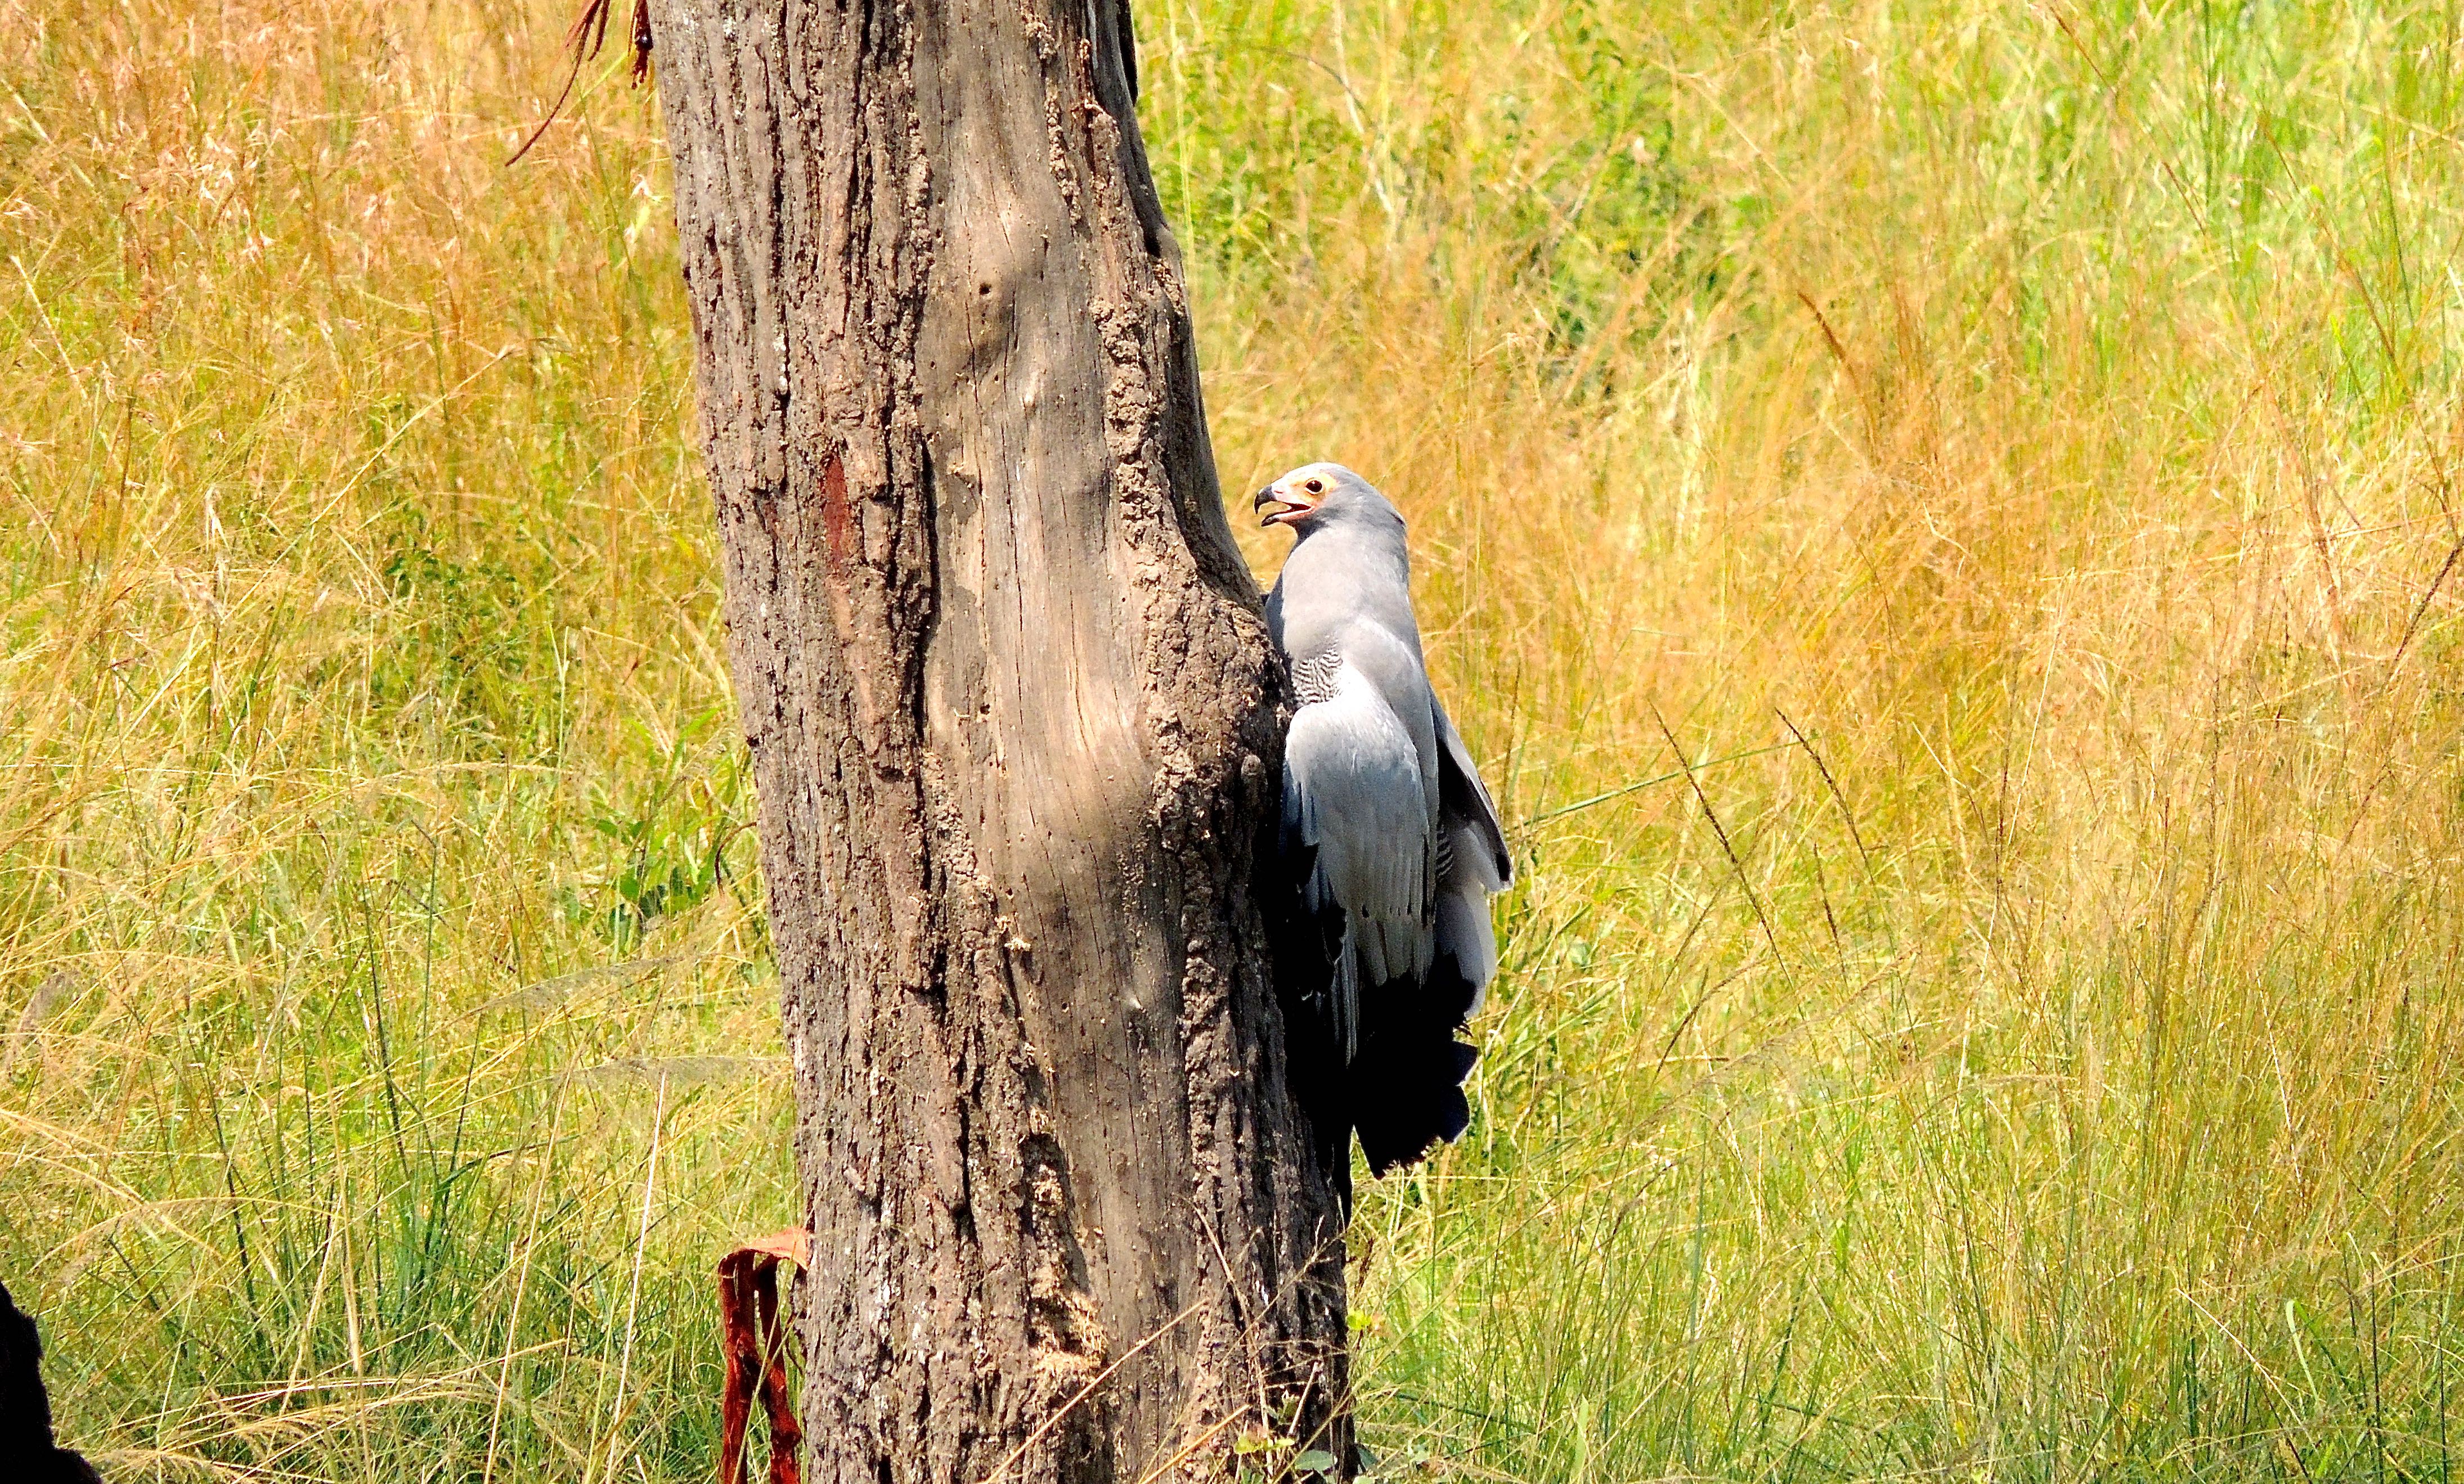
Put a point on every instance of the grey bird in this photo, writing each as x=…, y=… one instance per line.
x=1392, y=839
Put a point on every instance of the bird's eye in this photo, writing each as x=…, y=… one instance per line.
x=1316, y=486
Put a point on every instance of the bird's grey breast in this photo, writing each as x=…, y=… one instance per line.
x=1336, y=578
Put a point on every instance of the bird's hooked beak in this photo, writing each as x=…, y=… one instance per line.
x=1278, y=511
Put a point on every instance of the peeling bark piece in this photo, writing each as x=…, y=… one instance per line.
x=754, y=1341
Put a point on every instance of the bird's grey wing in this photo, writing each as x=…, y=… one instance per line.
x=1467, y=812
x=1353, y=792
x=1472, y=861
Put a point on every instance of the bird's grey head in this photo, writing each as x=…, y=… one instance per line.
x=1315, y=496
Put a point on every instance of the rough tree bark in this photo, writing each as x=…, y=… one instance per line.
x=1014, y=720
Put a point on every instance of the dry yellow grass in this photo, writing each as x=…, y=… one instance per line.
x=2046, y=1066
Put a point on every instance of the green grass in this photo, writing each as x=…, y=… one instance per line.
x=2046, y=1069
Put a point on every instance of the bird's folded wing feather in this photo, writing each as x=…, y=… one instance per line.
x=1465, y=812
x=1353, y=791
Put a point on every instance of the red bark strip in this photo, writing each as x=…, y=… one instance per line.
x=838, y=522
x=756, y=1346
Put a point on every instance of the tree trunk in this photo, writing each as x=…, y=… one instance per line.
x=1015, y=724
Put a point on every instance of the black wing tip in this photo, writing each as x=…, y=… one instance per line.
x=1402, y=1092
x=1407, y=1097
x=1404, y=1133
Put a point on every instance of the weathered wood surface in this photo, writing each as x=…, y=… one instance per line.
x=1013, y=714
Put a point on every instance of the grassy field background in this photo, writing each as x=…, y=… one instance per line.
x=2012, y=451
